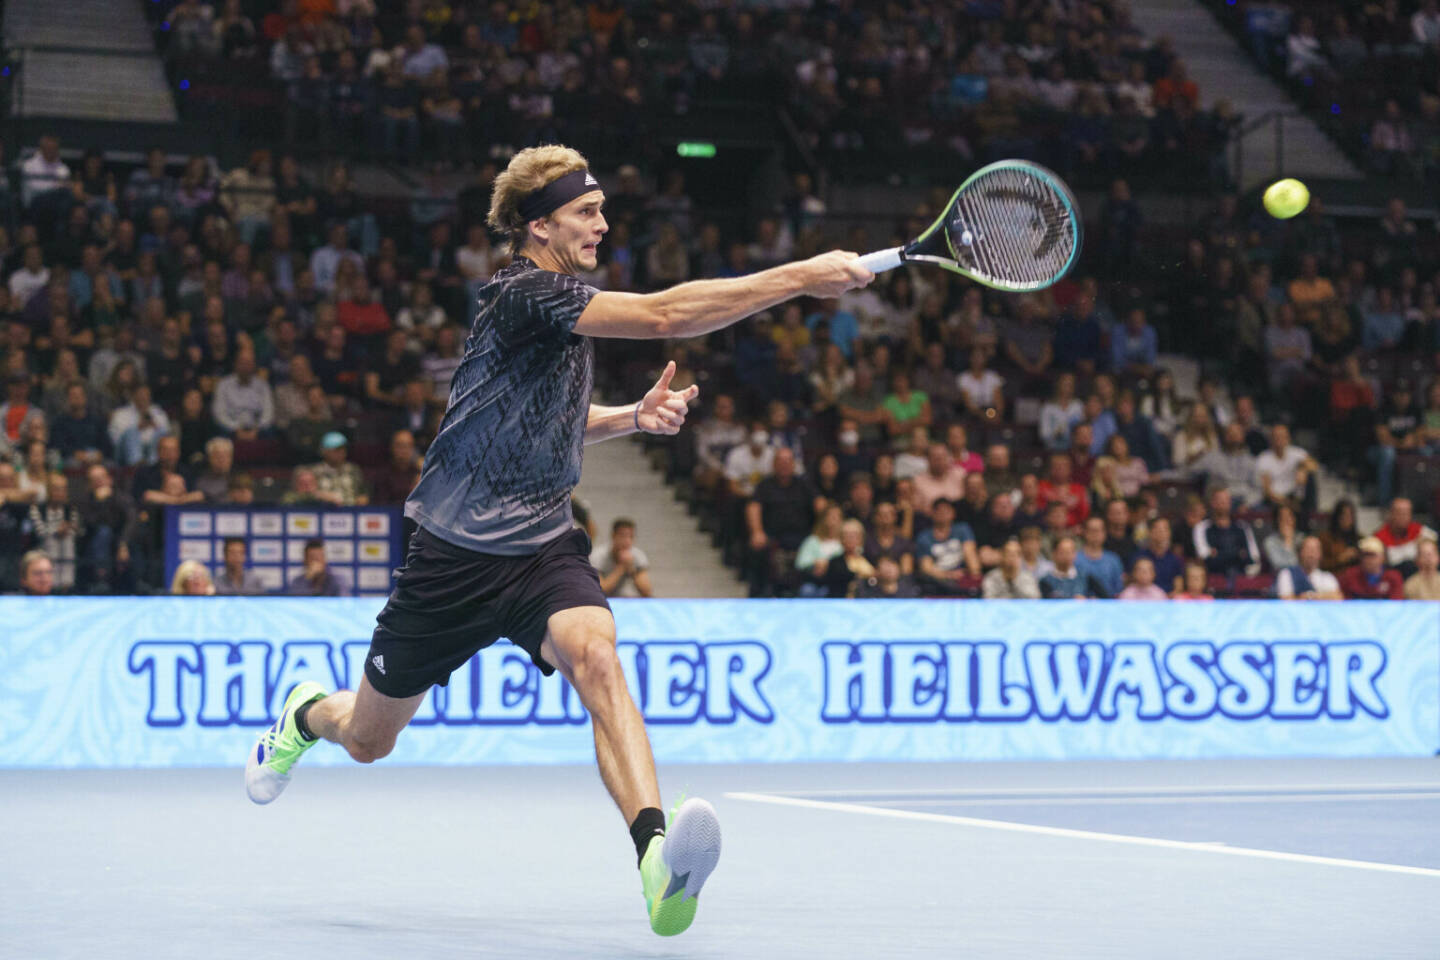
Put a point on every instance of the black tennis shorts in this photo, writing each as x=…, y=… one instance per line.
x=449, y=602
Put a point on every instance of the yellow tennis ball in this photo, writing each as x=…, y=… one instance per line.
x=1285, y=198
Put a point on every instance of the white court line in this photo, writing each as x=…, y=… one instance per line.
x=1138, y=788
x=1081, y=834
x=1060, y=801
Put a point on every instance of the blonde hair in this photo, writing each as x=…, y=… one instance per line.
x=528, y=171
x=187, y=570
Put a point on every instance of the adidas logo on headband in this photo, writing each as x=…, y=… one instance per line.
x=590, y=180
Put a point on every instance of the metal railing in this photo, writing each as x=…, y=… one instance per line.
x=1247, y=166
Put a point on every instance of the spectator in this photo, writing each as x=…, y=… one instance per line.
x=56, y=526
x=1392, y=145
x=847, y=570
x=1141, y=438
x=1232, y=466
x=842, y=324
x=244, y=405
x=316, y=579
x=1402, y=535
x=914, y=459
x=1032, y=558
x=1065, y=581
x=37, y=574
x=623, y=567
x=214, y=481
x=1195, y=439
x=136, y=428
x=1282, y=545
x=1143, y=587
x=957, y=441
x=905, y=408
x=385, y=381
x=1060, y=414
x=1397, y=428
x=1424, y=583
x=1029, y=343
x=1000, y=479
x=1159, y=549
x=1130, y=472
x=942, y=480
x=1196, y=584
x=192, y=580
x=1286, y=470
x=1340, y=540
x=945, y=552
x=972, y=509
x=43, y=174
x=812, y=560
x=1097, y=564
x=339, y=481
x=861, y=403
x=248, y=195
x=937, y=381
x=886, y=539
x=1010, y=580
x=1304, y=580
x=325, y=261
x=18, y=416
x=1369, y=579
x=1134, y=347
x=888, y=583
x=778, y=517
x=747, y=464
x=1287, y=351
x=1119, y=534
x=401, y=472
x=32, y=277
x=982, y=389
x=1059, y=488
x=235, y=580
x=1224, y=543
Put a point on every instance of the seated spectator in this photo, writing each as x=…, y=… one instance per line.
x=849, y=569
x=747, y=464
x=214, y=481
x=78, y=434
x=1134, y=347
x=316, y=579
x=982, y=389
x=812, y=560
x=861, y=404
x=1130, y=471
x=1065, y=581
x=1029, y=343
x=1424, y=583
x=995, y=528
x=1000, y=478
x=937, y=381
x=1009, y=580
x=1195, y=438
x=136, y=428
x=1392, y=145
x=783, y=433
x=945, y=553
x=1309, y=288
x=905, y=408
x=1397, y=428
x=623, y=567
x=236, y=580
x=1119, y=534
x=1160, y=550
x=1032, y=557
x=914, y=459
x=1225, y=544
x=886, y=540
x=401, y=472
x=957, y=441
x=339, y=481
x=1196, y=585
x=1286, y=471
x=888, y=583
x=1232, y=466
x=192, y=579
x=1140, y=434
x=304, y=433
x=1058, y=488
x=1304, y=580
x=778, y=517
x=37, y=574
x=1103, y=568
x=1402, y=536
x=1162, y=404
x=290, y=397
x=972, y=508
x=1340, y=540
x=56, y=525
x=859, y=502
x=715, y=437
x=941, y=480
x=18, y=415
x=1104, y=486
x=1282, y=544
x=1370, y=579
x=1143, y=586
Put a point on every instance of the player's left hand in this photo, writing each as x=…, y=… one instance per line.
x=663, y=410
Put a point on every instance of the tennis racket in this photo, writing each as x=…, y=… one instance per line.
x=1012, y=226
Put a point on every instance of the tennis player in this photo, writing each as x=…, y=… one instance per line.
x=495, y=553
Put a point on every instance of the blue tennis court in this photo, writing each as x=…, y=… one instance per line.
x=1095, y=859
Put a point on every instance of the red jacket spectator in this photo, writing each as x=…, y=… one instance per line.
x=1401, y=535
x=1058, y=486
x=1369, y=579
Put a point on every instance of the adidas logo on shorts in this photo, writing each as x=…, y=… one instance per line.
x=379, y=662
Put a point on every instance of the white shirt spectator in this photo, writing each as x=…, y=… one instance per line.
x=24, y=284
x=747, y=468
x=1425, y=26
x=243, y=406
x=1322, y=582
x=980, y=390
x=38, y=175
x=325, y=263
x=1281, y=471
x=128, y=416
x=714, y=440
x=909, y=465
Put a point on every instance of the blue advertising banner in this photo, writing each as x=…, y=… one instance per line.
x=191, y=681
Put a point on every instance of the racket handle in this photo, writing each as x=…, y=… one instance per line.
x=882, y=260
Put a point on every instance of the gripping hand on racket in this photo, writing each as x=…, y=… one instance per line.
x=663, y=410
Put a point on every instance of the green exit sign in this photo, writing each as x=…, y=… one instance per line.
x=695, y=148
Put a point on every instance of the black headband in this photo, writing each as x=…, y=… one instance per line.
x=556, y=194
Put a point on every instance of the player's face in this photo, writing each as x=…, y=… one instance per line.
x=575, y=232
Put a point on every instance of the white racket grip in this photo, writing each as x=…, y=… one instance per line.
x=881, y=260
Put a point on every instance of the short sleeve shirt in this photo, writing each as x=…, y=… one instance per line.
x=498, y=476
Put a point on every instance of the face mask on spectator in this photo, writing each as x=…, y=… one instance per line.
x=759, y=438
x=848, y=438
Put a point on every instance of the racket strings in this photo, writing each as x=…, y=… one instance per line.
x=1014, y=228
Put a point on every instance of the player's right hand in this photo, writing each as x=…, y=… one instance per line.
x=831, y=274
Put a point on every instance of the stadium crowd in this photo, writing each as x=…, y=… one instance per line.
x=175, y=333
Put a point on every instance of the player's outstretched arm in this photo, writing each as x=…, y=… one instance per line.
x=661, y=411
x=701, y=306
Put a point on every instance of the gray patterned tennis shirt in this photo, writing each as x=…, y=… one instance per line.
x=498, y=477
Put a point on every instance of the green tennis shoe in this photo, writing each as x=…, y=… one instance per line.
x=267, y=771
x=676, y=866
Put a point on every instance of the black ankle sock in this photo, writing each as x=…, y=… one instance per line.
x=300, y=714
x=649, y=824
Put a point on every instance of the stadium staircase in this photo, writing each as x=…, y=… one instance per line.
x=1222, y=71
x=85, y=60
x=620, y=481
